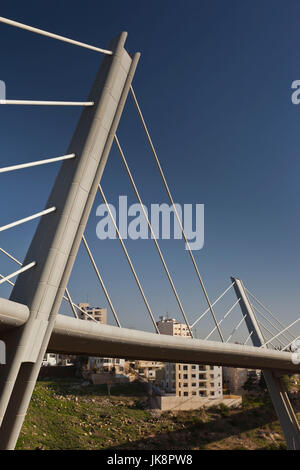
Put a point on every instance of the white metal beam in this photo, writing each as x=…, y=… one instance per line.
x=42, y=32
x=27, y=219
x=40, y=162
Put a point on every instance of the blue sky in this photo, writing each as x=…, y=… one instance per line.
x=214, y=82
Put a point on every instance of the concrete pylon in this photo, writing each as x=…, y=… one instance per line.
x=277, y=390
x=58, y=235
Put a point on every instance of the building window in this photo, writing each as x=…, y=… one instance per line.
x=185, y=394
x=185, y=367
x=212, y=393
x=185, y=384
x=212, y=384
x=193, y=393
x=185, y=376
x=194, y=384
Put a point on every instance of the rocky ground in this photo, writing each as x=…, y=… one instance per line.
x=72, y=414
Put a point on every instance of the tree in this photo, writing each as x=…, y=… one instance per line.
x=262, y=383
x=250, y=384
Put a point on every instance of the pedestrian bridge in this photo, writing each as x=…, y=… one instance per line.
x=30, y=322
x=74, y=336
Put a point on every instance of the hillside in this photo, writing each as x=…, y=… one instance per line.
x=71, y=414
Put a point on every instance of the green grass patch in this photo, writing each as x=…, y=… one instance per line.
x=72, y=414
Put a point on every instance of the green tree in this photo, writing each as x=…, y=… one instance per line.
x=262, y=383
x=250, y=384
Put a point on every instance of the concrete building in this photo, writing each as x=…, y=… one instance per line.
x=189, y=380
x=102, y=364
x=170, y=326
x=107, y=364
x=234, y=379
x=98, y=313
x=153, y=371
x=50, y=359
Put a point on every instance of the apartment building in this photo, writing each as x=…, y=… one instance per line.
x=103, y=364
x=107, y=364
x=189, y=380
x=170, y=326
x=153, y=371
x=99, y=314
x=50, y=359
x=234, y=379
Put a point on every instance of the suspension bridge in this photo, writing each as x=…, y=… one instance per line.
x=30, y=322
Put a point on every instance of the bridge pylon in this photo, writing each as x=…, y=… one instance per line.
x=57, y=238
x=276, y=387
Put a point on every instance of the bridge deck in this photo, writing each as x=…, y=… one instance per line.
x=73, y=336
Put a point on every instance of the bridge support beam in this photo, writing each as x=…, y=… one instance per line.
x=57, y=238
x=283, y=407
